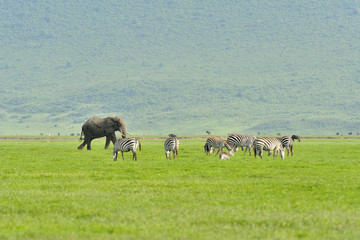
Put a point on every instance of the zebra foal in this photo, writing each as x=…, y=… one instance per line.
x=171, y=144
x=237, y=140
x=272, y=145
x=217, y=142
x=126, y=145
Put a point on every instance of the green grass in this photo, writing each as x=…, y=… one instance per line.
x=50, y=190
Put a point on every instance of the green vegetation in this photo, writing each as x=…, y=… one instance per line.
x=50, y=190
x=180, y=66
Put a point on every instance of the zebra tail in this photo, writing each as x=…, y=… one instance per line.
x=255, y=152
x=139, y=145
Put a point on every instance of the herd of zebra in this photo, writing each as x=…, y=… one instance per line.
x=171, y=145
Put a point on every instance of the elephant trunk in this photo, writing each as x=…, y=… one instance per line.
x=123, y=130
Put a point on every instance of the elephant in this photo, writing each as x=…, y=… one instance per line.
x=293, y=137
x=102, y=127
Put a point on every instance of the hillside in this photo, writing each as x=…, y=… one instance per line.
x=179, y=66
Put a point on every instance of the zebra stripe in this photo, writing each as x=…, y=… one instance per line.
x=272, y=145
x=287, y=142
x=217, y=142
x=171, y=144
x=126, y=145
x=237, y=140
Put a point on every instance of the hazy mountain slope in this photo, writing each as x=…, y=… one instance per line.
x=180, y=66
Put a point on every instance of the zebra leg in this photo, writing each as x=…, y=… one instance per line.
x=248, y=149
x=218, y=151
x=287, y=150
x=291, y=149
x=134, y=156
x=122, y=154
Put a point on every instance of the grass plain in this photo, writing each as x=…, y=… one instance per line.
x=50, y=190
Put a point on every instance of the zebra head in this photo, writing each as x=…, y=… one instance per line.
x=229, y=148
x=236, y=148
x=208, y=149
x=115, y=153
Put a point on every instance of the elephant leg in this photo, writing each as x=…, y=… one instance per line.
x=107, y=143
x=89, y=145
x=82, y=145
x=111, y=137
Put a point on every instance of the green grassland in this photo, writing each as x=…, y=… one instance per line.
x=50, y=190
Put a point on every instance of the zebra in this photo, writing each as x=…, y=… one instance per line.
x=287, y=142
x=171, y=144
x=268, y=144
x=218, y=142
x=237, y=140
x=126, y=145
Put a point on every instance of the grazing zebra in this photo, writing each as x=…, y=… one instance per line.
x=171, y=144
x=287, y=142
x=126, y=145
x=270, y=145
x=218, y=142
x=237, y=140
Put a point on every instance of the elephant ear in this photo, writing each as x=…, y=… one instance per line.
x=109, y=124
